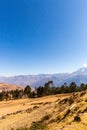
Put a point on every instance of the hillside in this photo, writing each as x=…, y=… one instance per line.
x=8, y=87
x=57, y=112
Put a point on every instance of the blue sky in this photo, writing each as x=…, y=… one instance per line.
x=42, y=36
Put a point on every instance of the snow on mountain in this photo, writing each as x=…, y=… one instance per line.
x=79, y=76
x=82, y=70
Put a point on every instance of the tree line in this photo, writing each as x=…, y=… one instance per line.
x=47, y=89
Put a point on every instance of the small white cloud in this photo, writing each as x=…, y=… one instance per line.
x=84, y=65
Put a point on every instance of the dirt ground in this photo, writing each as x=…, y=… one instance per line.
x=21, y=113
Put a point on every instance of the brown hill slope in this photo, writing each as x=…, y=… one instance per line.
x=8, y=87
x=58, y=112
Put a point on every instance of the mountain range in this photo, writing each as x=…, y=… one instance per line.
x=79, y=76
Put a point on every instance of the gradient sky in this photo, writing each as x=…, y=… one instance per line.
x=42, y=36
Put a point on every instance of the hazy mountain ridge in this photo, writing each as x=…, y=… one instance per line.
x=79, y=76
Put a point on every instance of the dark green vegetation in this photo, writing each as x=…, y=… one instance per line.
x=77, y=118
x=37, y=126
x=47, y=89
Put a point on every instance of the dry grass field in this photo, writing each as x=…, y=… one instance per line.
x=58, y=112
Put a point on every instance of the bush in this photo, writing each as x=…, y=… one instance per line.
x=77, y=118
x=82, y=94
x=46, y=117
x=37, y=126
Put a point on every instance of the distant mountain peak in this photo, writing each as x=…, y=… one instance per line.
x=79, y=76
x=82, y=70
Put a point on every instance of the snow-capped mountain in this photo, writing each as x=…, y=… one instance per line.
x=79, y=76
x=82, y=70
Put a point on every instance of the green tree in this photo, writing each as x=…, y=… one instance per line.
x=2, y=94
x=27, y=90
x=47, y=88
x=82, y=86
x=16, y=94
x=73, y=87
x=33, y=94
x=40, y=91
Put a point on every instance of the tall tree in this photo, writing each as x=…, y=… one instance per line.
x=47, y=86
x=73, y=87
x=27, y=90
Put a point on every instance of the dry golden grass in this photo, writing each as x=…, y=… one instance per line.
x=56, y=111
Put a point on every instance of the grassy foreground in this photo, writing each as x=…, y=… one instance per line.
x=57, y=112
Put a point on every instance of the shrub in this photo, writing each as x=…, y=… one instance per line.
x=46, y=117
x=77, y=118
x=82, y=94
x=37, y=126
x=35, y=107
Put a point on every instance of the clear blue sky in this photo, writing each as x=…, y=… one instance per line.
x=42, y=36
